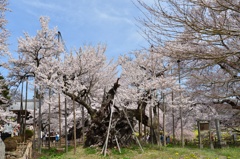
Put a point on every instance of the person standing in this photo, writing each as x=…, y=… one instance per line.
x=7, y=130
x=57, y=137
x=168, y=139
x=15, y=131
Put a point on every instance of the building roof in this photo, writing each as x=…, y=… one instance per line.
x=17, y=105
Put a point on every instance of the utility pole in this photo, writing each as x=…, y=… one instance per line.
x=34, y=118
x=21, y=110
x=164, y=125
x=49, y=119
x=173, y=118
x=181, y=120
x=83, y=124
x=59, y=109
x=25, y=115
x=66, y=135
x=74, y=124
x=140, y=122
x=65, y=114
x=40, y=122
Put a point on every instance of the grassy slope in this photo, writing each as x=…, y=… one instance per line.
x=150, y=152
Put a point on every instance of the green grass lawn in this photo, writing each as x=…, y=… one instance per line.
x=150, y=152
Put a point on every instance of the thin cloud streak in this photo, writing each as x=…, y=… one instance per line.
x=81, y=22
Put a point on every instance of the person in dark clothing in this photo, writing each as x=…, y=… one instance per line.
x=7, y=131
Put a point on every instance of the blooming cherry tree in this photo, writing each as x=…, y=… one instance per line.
x=203, y=35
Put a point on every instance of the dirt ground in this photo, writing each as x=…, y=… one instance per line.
x=36, y=155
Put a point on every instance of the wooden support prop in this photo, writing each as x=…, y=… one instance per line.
x=131, y=126
x=118, y=144
x=109, y=127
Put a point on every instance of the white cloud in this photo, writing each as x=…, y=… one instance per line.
x=83, y=11
x=112, y=17
x=48, y=5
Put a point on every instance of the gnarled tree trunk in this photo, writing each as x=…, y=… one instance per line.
x=98, y=127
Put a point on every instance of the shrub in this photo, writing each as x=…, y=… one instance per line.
x=28, y=134
x=19, y=139
x=10, y=144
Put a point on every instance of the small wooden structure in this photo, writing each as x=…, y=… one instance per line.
x=16, y=108
x=204, y=125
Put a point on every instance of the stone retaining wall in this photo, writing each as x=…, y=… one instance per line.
x=2, y=149
x=28, y=152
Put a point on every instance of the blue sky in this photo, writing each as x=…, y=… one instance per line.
x=110, y=22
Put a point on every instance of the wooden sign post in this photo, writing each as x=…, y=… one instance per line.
x=203, y=125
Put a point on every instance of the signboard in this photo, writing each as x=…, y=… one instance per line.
x=204, y=126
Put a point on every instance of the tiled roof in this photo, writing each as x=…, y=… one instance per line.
x=17, y=105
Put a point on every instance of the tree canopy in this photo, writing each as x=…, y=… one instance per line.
x=204, y=36
x=191, y=67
